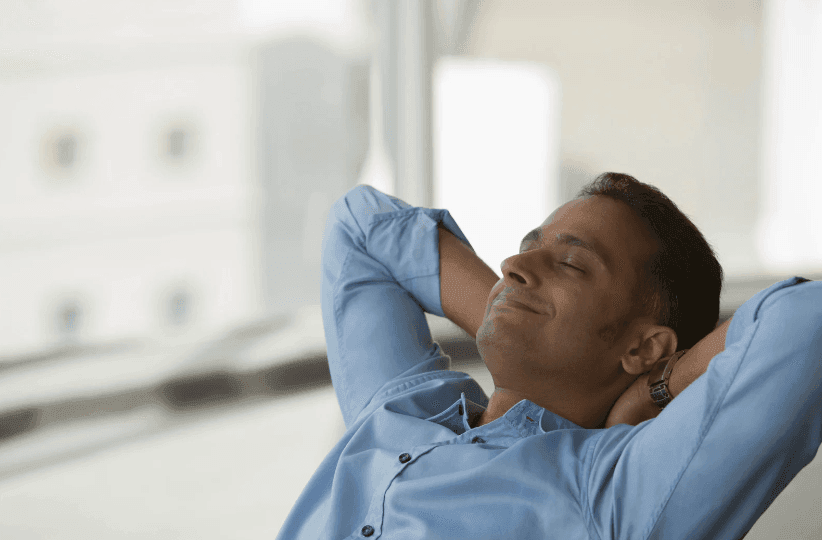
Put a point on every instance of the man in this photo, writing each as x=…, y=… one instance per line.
x=573, y=443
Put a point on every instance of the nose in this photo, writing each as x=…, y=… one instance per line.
x=519, y=270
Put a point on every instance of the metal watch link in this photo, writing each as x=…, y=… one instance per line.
x=658, y=380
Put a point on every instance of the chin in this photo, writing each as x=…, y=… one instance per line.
x=494, y=344
x=485, y=334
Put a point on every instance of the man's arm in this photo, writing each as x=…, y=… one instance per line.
x=380, y=274
x=713, y=461
x=465, y=283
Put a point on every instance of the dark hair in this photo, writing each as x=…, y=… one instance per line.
x=682, y=282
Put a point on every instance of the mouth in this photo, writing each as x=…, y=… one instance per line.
x=522, y=306
x=510, y=302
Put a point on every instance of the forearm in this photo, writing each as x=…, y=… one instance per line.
x=695, y=362
x=465, y=283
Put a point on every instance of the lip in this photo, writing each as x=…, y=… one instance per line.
x=513, y=302
x=523, y=306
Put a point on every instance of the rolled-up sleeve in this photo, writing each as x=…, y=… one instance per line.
x=714, y=460
x=380, y=274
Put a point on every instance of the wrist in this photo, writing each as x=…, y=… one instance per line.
x=695, y=362
x=644, y=398
x=659, y=380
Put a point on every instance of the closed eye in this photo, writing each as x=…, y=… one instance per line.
x=574, y=267
x=523, y=249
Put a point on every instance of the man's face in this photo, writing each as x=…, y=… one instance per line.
x=562, y=312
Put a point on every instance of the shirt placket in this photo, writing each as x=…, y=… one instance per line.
x=372, y=524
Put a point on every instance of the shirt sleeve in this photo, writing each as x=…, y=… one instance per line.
x=380, y=274
x=713, y=461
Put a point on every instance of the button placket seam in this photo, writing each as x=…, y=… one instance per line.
x=376, y=511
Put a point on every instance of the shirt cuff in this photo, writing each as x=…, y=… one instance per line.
x=407, y=243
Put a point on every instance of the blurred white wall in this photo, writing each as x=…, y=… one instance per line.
x=668, y=92
x=496, y=149
x=343, y=24
x=790, y=226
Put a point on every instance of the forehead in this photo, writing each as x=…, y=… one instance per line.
x=610, y=224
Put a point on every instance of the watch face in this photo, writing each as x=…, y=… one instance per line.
x=660, y=395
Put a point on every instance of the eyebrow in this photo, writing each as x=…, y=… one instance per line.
x=568, y=240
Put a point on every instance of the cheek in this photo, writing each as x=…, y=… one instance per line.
x=610, y=333
x=572, y=304
x=579, y=317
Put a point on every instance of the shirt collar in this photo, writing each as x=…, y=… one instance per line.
x=531, y=419
x=550, y=421
x=526, y=416
x=472, y=412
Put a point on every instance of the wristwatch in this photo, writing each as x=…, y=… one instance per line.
x=658, y=380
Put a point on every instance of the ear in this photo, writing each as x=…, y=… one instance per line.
x=650, y=346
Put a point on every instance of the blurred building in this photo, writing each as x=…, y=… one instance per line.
x=152, y=179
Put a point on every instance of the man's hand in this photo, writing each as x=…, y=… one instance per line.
x=634, y=406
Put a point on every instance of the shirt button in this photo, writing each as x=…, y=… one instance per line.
x=368, y=530
x=477, y=440
x=405, y=458
x=460, y=410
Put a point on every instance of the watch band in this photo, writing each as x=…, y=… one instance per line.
x=658, y=380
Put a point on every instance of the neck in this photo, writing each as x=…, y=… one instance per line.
x=585, y=407
x=499, y=403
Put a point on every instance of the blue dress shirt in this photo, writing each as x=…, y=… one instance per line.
x=410, y=466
